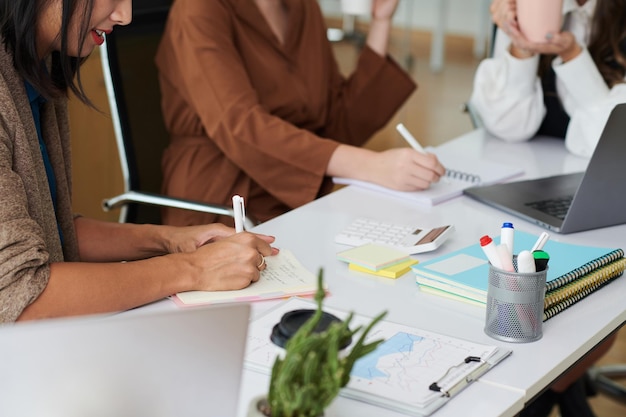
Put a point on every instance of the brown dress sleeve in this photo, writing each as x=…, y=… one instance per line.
x=275, y=113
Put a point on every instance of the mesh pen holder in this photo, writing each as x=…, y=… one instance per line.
x=515, y=305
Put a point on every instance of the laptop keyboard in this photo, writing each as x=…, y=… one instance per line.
x=556, y=207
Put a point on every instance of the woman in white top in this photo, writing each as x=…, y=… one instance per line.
x=564, y=87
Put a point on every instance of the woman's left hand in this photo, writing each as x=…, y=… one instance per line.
x=190, y=238
x=384, y=9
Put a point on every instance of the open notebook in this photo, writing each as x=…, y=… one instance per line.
x=284, y=277
x=461, y=173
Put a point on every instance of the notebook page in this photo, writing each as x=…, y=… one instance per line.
x=284, y=276
x=463, y=171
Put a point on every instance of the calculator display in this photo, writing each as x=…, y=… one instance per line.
x=432, y=235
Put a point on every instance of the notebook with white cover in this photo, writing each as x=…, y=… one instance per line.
x=462, y=173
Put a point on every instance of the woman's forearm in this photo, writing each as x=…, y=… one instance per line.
x=378, y=36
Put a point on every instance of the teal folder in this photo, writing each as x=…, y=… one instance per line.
x=465, y=272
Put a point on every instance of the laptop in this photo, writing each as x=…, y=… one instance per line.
x=183, y=363
x=572, y=202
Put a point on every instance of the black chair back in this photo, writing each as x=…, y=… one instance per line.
x=131, y=50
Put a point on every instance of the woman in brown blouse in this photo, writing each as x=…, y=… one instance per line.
x=256, y=106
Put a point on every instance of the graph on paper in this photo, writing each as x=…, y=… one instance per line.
x=399, y=371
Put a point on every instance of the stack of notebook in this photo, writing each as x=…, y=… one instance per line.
x=377, y=260
x=574, y=271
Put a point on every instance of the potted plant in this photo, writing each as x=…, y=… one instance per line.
x=312, y=371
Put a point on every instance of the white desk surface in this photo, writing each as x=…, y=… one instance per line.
x=309, y=231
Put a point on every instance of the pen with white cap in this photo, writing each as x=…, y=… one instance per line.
x=507, y=236
x=409, y=138
x=239, y=212
x=543, y=238
x=490, y=250
x=525, y=262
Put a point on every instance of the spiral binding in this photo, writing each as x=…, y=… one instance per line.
x=463, y=176
x=584, y=269
x=573, y=292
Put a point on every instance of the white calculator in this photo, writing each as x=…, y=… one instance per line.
x=407, y=238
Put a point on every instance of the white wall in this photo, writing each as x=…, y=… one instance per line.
x=462, y=17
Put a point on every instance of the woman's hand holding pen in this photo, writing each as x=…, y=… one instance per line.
x=188, y=239
x=227, y=263
x=230, y=263
x=402, y=169
x=405, y=169
x=220, y=259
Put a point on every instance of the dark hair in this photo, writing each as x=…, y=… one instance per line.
x=18, y=27
x=608, y=40
x=607, y=45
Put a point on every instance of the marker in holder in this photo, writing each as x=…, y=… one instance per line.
x=515, y=305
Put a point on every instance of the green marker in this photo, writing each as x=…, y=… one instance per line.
x=541, y=260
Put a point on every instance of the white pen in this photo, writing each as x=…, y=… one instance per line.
x=543, y=238
x=487, y=245
x=239, y=211
x=507, y=236
x=525, y=262
x=408, y=137
x=506, y=259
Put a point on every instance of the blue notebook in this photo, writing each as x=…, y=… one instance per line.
x=465, y=272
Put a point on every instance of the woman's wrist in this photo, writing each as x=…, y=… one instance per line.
x=571, y=53
x=350, y=162
x=520, y=53
x=378, y=36
x=155, y=239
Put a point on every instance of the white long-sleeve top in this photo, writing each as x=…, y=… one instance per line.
x=508, y=96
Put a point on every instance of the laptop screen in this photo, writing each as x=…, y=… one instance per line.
x=177, y=363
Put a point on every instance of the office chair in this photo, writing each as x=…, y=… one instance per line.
x=467, y=106
x=605, y=379
x=132, y=87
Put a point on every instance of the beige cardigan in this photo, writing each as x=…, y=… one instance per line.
x=29, y=238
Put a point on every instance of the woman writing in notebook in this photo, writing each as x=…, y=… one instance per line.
x=255, y=105
x=564, y=87
x=53, y=263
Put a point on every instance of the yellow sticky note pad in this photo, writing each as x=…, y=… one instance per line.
x=372, y=256
x=393, y=271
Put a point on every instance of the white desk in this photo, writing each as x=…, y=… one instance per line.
x=308, y=232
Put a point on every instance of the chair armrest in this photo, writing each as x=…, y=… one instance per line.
x=180, y=203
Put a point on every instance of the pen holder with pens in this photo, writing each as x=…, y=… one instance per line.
x=515, y=305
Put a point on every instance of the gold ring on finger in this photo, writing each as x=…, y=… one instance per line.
x=262, y=263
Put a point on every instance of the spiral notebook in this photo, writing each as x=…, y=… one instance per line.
x=566, y=295
x=461, y=173
x=463, y=274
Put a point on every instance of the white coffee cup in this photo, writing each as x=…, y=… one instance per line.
x=539, y=18
x=356, y=7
